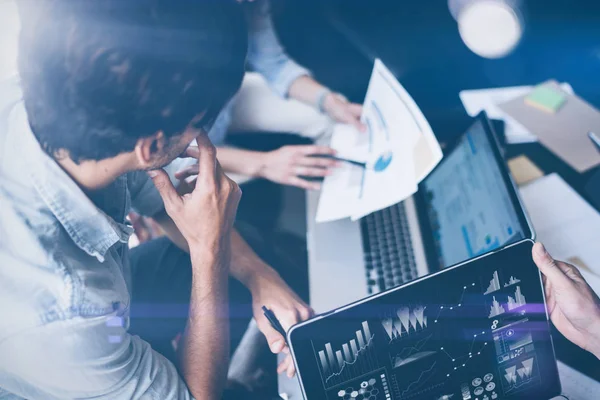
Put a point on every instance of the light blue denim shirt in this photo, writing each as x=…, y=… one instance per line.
x=265, y=56
x=65, y=278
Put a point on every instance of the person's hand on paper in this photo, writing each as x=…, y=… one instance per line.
x=288, y=164
x=573, y=306
x=341, y=110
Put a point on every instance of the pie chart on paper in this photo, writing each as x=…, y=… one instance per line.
x=383, y=161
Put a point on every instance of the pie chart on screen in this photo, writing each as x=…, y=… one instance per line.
x=383, y=161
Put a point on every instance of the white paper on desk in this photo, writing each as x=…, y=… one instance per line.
x=566, y=224
x=389, y=110
x=399, y=148
x=340, y=191
x=487, y=100
x=383, y=189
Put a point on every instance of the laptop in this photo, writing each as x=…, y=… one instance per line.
x=475, y=331
x=466, y=207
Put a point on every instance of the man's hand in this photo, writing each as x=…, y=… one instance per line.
x=206, y=215
x=286, y=164
x=205, y=218
x=341, y=110
x=574, y=307
x=271, y=291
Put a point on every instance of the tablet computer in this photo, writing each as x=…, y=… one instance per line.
x=475, y=331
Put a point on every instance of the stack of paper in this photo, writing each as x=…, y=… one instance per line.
x=399, y=149
x=488, y=100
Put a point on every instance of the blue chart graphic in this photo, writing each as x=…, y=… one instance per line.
x=355, y=358
x=381, y=120
x=383, y=161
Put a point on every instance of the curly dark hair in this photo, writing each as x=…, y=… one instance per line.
x=98, y=75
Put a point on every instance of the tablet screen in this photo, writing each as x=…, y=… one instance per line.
x=477, y=331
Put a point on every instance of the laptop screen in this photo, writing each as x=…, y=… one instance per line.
x=468, y=202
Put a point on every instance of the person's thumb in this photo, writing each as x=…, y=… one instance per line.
x=165, y=188
x=548, y=266
x=274, y=338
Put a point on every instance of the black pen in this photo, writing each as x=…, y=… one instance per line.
x=274, y=322
x=347, y=160
x=595, y=139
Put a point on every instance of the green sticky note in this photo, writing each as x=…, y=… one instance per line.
x=546, y=99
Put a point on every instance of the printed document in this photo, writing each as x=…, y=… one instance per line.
x=399, y=149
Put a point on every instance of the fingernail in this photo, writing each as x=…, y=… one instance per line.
x=152, y=174
x=276, y=346
x=541, y=250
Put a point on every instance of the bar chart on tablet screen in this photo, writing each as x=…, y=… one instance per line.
x=349, y=360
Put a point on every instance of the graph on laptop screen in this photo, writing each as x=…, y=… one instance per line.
x=476, y=332
x=468, y=203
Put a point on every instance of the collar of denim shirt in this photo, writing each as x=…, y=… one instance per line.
x=90, y=228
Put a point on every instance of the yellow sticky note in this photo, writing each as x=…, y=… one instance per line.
x=524, y=170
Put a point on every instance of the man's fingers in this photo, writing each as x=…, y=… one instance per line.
x=274, y=339
x=165, y=188
x=287, y=366
x=322, y=162
x=191, y=152
x=304, y=184
x=549, y=266
x=283, y=366
x=207, y=164
x=291, y=370
x=313, y=149
x=185, y=173
x=356, y=109
x=311, y=171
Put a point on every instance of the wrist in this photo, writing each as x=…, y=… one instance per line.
x=594, y=345
x=323, y=97
x=216, y=252
x=256, y=278
x=257, y=165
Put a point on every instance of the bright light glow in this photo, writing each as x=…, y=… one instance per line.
x=9, y=34
x=490, y=28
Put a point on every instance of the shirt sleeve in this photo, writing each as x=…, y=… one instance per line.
x=145, y=199
x=265, y=54
x=87, y=358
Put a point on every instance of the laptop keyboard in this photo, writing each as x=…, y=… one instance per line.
x=389, y=256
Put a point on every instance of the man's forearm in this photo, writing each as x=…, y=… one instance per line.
x=205, y=345
x=306, y=89
x=245, y=264
x=244, y=162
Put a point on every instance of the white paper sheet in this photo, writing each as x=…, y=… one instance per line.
x=566, y=224
x=341, y=190
x=475, y=101
x=399, y=148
